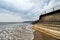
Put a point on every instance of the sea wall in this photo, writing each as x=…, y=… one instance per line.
x=50, y=17
x=40, y=33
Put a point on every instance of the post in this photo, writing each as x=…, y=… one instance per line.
x=45, y=11
x=53, y=9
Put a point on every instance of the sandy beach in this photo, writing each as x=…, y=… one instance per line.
x=38, y=35
x=41, y=36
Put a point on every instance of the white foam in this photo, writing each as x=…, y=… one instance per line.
x=16, y=32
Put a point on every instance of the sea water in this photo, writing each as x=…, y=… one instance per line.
x=16, y=31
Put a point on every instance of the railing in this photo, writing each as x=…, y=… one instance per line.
x=51, y=9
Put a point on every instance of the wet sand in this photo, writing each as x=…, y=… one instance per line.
x=41, y=36
x=37, y=36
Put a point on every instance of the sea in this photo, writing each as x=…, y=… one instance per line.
x=16, y=31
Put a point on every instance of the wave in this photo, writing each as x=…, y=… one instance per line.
x=20, y=31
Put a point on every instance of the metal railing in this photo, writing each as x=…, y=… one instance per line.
x=51, y=9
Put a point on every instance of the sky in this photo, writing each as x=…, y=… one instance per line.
x=24, y=10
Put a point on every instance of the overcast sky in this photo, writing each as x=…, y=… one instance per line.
x=24, y=10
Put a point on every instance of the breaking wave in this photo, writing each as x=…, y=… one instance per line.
x=19, y=31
